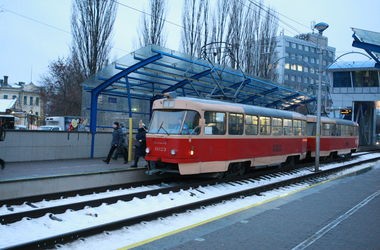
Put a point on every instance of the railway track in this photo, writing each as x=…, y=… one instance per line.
x=198, y=194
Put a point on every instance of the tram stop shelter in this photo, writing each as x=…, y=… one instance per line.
x=126, y=88
x=369, y=41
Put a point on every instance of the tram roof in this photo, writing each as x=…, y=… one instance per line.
x=152, y=70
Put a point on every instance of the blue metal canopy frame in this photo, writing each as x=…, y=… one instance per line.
x=369, y=41
x=152, y=70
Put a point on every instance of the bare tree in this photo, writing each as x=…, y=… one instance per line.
x=235, y=33
x=258, y=40
x=217, y=50
x=153, y=25
x=193, y=16
x=92, y=23
x=61, y=94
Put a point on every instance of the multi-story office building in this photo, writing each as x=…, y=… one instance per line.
x=297, y=61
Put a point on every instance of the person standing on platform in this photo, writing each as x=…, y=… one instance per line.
x=117, y=141
x=140, y=144
x=2, y=138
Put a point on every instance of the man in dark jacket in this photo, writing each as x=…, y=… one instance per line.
x=2, y=138
x=140, y=143
x=117, y=141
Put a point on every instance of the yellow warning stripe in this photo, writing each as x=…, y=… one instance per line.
x=232, y=212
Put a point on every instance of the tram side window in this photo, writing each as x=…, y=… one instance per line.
x=265, y=126
x=215, y=123
x=297, y=127
x=251, y=124
x=328, y=129
x=276, y=126
x=288, y=127
x=338, y=131
x=310, y=129
x=235, y=124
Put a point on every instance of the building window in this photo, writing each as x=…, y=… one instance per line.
x=307, y=48
x=112, y=100
x=31, y=100
x=294, y=46
x=312, y=60
x=37, y=101
x=294, y=67
x=306, y=59
x=305, y=69
x=292, y=78
x=14, y=97
x=287, y=66
x=312, y=70
x=299, y=68
x=299, y=79
x=365, y=78
x=286, y=77
x=287, y=44
x=25, y=100
x=300, y=47
x=5, y=96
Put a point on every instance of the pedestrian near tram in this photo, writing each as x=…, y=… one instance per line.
x=2, y=138
x=140, y=144
x=117, y=142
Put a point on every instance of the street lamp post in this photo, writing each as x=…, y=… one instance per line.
x=320, y=27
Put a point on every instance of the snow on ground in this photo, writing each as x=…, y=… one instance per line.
x=27, y=230
x=145, y=232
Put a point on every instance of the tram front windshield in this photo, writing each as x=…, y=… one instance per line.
x=174, y=122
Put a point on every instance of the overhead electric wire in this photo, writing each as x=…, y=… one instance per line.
x=266, y=9
x=35, y=20
x=43, y=23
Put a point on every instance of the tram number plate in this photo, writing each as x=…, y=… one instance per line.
x=277, y=148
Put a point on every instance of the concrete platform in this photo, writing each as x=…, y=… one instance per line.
x=54, y=168
x=22, y=179
x=340, y=214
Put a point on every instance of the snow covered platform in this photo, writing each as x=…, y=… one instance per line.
x=340, y=214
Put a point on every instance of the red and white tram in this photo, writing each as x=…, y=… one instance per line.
x=338, y=137
x=193, y=136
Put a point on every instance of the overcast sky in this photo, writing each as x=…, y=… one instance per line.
x=34, y=33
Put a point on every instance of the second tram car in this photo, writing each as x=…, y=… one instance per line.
x=193, y=136
x=337, y=137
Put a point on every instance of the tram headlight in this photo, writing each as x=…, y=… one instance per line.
x=173, y=152
x=192, y=152
x=147, y=150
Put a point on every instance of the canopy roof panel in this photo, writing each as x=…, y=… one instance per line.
x=369, y=41
x=152, y=70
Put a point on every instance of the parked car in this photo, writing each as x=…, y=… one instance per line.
x=21, y=127
x=49, y=128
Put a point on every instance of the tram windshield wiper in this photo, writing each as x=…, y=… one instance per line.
x=161, y=127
